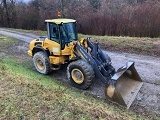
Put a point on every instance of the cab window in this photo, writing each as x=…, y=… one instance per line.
x=54, y=32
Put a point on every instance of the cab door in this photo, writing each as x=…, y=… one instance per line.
x=53, y=41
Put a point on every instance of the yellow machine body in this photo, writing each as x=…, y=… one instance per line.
x=124, y=84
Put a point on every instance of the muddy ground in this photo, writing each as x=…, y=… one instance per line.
x=147, y=101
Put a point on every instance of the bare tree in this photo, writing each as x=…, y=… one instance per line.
x=6, y=10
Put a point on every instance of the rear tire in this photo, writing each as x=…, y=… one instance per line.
x=41, y=63
x=80, y=74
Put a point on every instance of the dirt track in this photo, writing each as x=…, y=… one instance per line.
x=148, y=67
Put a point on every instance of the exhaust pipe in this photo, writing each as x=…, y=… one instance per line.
x=126, y=85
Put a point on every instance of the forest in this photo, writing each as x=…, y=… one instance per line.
x=136, y=18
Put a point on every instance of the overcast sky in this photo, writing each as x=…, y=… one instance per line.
x=24, y=0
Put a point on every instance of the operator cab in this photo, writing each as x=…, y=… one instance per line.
x=62, y=31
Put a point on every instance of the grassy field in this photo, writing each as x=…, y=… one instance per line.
x=37, y=32
x=26, y=94
x=143, y=45
x=30, y=95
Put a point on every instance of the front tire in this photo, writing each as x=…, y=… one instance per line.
x=41, y=63
x=80, y=74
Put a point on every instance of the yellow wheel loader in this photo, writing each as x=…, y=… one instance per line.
x=85, y=60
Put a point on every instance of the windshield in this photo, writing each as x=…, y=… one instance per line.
x=69, y=32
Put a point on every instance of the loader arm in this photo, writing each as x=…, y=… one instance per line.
x=101, y=65
x=123, y=85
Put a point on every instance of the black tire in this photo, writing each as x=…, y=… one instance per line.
x=41, y=63
x=85, y=74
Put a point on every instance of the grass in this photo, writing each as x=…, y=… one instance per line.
x=26, y=94
x=6, y=42
x=143, y=45
x=37, y=32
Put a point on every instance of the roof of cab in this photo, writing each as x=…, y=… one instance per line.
x=60, y=20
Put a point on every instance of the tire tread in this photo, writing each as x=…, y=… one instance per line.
x=88, y=73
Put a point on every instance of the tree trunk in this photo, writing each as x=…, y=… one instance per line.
x=7, y=13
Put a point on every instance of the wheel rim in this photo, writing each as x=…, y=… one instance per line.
x=77, y=76
x=40, y=64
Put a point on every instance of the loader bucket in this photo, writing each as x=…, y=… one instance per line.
x=127, y=85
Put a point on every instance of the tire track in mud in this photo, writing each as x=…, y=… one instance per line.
x=147, y=100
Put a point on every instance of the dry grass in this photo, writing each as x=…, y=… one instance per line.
x=144, y=45
x=37, y=32
x=25, y=94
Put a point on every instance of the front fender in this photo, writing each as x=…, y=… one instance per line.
x=38, y=49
